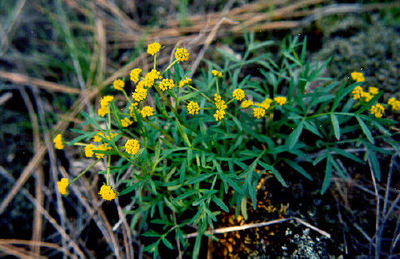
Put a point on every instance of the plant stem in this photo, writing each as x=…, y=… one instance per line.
x=84, y=172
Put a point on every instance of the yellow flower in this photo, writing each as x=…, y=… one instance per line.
x=135, y=75
x=132, y=146
x=58, y=142
x=182, y=54
x=147, y=111
x=373, y=90
x=377, y=110
x=107, y=193
x=281, y=100
x=104, y=102
x=102, y=147
x=126, y=122
x=259, y=113
x=366, y=96
x=98, y=137
x=152, y=76
x=140, y=94
x=186, y=81
x=193, y=108
x=357, y=93
x=167, y=84
x=219, y=115
x=246, y=104
x=63, y=186
x=216, y=73
x=89, y=150
x=358, y=76
x=394, y=103
x=219, y=103
x=266, y=103
x=119, y=85
x=153, y=48
x=132, y=111
x=238, y=94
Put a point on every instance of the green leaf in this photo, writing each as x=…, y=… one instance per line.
x=273, y=171
x=199, y=178
x=243, y=207
x=365, y=129
x=220, y=203
x=335, y=124
x=294, y=136
x=167, y=243
x=328, y=175
x=299, y=169
x=91, y=120
x=375, y=164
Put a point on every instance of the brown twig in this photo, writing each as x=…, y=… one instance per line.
x=20, y=79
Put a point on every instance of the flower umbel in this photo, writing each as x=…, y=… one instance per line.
x=147, y=111
x=58, y=142
x=132, y=146
x=135, y=75
x=89, y=150
x=216, y=73
x=104, y=102
x=186, y=81
x=358, y=76
x=219, y=115
x=119, y=85
x=152, y=76
x=357, y=93
x=394, y=103
x=246, y=104
x=126, y=122
x=377, y=110
x=238, y=94
x=107, y=193
x=281, y=100
x=153, y=48
x=193, y=108
x=259, y=113
x=63, y=186
x=167, y=84
x=182, y=54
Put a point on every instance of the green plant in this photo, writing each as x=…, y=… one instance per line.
x=191, y=145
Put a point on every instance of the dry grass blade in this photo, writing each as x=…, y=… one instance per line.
x=21, y=79
x=35, y=244
x=5, y=97
x=39, y=179
x=16, y=251
x=262, y=224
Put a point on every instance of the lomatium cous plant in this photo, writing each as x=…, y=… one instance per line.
x=197, y=146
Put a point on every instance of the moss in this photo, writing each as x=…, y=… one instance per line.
x=372, y=48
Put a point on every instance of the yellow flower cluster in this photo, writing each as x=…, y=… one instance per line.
x=153, y=48
x=266, y=104
x=135, y=75
x=377, y=110
x=100, y=136
x=107, y=193
x=91, y=149
x=184, y=82
x=140, y=93
x=126, y=122
x=221, y=107
x=394, y=103
x=238, y=94
x=58, y=142
x=104, y=102
x=119, y=85
x=63, y=186
x=246, y=104
x=182, y=54
x=132, y=146
x=151, y=77
x=216, y=73
x=358, y=76
x=281, y=100
x=360, y=94
x=193, y=108
x=258, y=112
x=167, y=84
x=147, y=111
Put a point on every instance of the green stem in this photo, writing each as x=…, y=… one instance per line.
x=162, y=131
x=205, y=96
x=155, y=61
x=168, y=68
x=84, y=172
x=216, y=79
x=126, y=96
